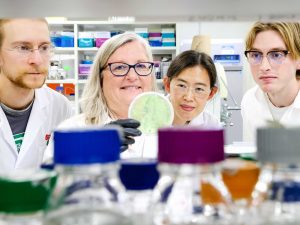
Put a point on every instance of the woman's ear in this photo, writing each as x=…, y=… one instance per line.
x=166, y=84
x=213, y=91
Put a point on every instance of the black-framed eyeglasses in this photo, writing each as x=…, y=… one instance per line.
x=121, y=69
x=274, y=57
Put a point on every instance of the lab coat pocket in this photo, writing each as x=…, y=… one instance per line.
x=31, y=155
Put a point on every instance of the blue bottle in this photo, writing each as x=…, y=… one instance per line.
x=139, y=177
x=88, y=189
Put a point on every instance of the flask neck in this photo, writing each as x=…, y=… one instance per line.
x=281, y=168
x=92, y=169
x=190, y=169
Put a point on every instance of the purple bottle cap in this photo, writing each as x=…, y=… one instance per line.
x=190, y=145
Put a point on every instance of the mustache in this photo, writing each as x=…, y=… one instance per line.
x=36, y=70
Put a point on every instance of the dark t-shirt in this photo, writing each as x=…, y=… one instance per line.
x=17, y=120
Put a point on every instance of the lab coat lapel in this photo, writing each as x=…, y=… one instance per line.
x=6, y=132
x=198, y=120
x=36, y=122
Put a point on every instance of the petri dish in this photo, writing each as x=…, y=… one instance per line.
x=153, y=110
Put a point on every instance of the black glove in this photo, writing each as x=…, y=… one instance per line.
x=130, y=130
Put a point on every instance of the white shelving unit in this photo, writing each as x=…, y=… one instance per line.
x=73, y=55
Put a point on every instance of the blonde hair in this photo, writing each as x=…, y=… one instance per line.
x=6, y=20
x=93, y=103
x=289, y=31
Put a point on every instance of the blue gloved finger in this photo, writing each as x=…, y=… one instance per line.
x=132, y=132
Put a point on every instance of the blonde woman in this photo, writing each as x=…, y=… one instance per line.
x=122, y=69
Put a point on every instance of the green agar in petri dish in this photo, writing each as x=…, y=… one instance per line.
x=152, y=110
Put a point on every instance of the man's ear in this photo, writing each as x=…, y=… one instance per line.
x=213, y=91
x=166, y=84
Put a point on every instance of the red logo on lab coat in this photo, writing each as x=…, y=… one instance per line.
x=47, y=138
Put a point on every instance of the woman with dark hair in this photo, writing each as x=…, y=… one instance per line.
x=191, y=83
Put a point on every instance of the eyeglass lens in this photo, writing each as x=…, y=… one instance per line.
x=121, y=69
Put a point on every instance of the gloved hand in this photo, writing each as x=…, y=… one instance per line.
x=129, y=127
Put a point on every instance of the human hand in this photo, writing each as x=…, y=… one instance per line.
x=130, y=130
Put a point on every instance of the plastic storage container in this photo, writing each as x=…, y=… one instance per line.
x=86, y=39
x=84, y=68
x=190, y=189
x=55, y=38
x=67, y=39
x=88, y=189
x=101, y=37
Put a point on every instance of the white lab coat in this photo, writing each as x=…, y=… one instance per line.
x=48, y=110
x=145, y=146
x=255, y=112
x=205, y=119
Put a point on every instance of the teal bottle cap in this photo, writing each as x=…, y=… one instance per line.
x=26, y=191
x=152, y=110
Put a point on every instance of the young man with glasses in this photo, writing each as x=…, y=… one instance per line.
x=273, y=52
x=28, y=111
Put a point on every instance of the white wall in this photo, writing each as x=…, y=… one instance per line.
x=158, y=10
x=217, y=30
x=230, y=30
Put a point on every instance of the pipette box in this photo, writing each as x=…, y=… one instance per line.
x=67, y=39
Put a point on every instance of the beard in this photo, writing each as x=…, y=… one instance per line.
x=25, y=80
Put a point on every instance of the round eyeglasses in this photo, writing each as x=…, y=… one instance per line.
x=198, y=92
x=45, y=50
x=121, y=69
x=275, y=57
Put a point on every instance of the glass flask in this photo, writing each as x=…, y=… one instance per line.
x=139, y=176
x=88, y=189
x=240, y=177
x=276, y=197
x=190, y=189
x=24, y=196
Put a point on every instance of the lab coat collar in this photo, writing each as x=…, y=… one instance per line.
x=6, y=132
x=37, y=118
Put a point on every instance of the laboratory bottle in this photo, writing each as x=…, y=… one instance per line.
x=276, y=197
x=88, y=189
x=24, y=196
x=139, y=176
x=190, y=189
x=240, y=176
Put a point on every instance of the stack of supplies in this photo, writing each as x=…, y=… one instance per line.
x=168, y=37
